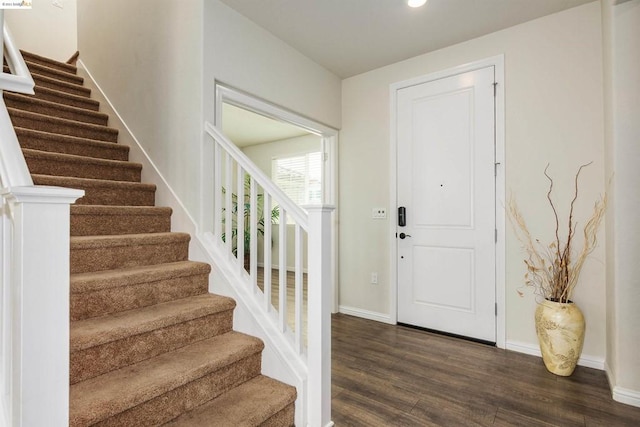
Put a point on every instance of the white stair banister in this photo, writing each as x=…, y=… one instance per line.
x=34, y=281
x=13, y=168
x=312, y=233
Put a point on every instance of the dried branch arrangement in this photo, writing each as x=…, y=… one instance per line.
x=552, y=270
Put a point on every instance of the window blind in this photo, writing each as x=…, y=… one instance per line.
x=300, y=177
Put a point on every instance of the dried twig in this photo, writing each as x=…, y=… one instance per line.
x=550, y=270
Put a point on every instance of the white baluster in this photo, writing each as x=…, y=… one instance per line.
x=240, y=220
x=253, y=239
x=299, y=292
x=217, y=190
x=282, y=297
x=267, y=251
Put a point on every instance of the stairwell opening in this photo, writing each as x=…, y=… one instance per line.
x=267, y=132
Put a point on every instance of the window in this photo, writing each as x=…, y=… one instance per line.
x=300, y=177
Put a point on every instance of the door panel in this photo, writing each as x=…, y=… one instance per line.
x=446, y=266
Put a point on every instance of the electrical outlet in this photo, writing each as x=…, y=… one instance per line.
x=374, y=278
x=58, y=3
x=379, y=213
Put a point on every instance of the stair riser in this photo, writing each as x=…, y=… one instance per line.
x=101, y=359
x=105, y=195
x=103, y=225
x=56, y=167
x=116, y=197
x=106, y=301
x=44, y=70
x=29, y=104
x=67, y=68
x=168, y=406
x=60, y=98
x=284, y=418
x=110, y=258
x=63, y=127
x=68, y=145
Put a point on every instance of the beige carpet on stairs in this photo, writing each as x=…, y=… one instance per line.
x=149, y=345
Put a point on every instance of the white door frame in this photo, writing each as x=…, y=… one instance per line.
x=498, y=63
x=329, y=141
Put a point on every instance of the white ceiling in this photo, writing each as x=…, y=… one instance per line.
x=245, y=128
x=349, y=37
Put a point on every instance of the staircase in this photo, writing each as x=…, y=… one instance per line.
x=149, y=344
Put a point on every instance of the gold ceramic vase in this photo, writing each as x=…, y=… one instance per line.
x=560, y=328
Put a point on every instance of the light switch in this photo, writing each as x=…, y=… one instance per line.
x=379, y=213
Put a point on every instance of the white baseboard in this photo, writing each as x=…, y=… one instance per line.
x=534, y=350
x=365, y=314
x=621, y=394
x=626, y=396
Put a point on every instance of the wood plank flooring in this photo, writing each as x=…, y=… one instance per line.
x=291, y=294
x=386, y=375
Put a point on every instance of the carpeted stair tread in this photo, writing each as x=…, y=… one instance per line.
x=99, y=220
x=257, y=402
x=93, y=242
x=103, y=192
x=54, y=109
x=93, y=281
x=103, y=344
x=64, y=144
x=99, y=293
x=100, y=330
x=99, y=398
x=97, y=253
x=69, y=165
x=59, y=85
x=51, y=63
x=148, y=341
x=65, y=98
x=29, y=120
x=54, y=73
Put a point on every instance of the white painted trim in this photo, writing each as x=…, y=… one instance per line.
x=20, y=80
x=329, y=135
x=366, y=314
x=498, y=63
x=621, y=394
x=626, y=396
x=585, y=360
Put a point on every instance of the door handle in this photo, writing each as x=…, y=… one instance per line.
x=403, y=235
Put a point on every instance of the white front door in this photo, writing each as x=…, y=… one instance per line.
x=446, y=183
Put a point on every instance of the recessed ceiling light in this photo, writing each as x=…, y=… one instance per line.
x=416, y=3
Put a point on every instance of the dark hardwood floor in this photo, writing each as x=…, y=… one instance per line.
x=387, y=375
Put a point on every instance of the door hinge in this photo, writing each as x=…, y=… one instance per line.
x=495, y=88
x=325, y=156
x=495, y=168
x=496, y=306
x=496, y=235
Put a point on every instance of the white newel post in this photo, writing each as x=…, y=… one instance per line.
x=319, y=316
x=38, y=287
